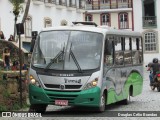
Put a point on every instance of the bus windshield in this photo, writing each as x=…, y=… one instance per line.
x=68, y=50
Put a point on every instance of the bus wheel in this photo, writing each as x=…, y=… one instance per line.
x=127, y=100
x=39, y=108
x=102, y=103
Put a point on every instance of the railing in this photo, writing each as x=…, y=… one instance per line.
x=81, y=7
x=50, y=1
x=61, y=2
x=73, y=3
x=149, y=21
x=39, y=0
x=123, y=25
x=93, y=5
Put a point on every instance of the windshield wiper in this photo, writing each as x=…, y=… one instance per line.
x=74, y=59
x=60, y=54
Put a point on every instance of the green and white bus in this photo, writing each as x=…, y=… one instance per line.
x=85, y=65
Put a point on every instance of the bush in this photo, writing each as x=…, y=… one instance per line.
x=3, y=107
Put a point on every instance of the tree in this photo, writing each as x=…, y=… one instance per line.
x=17, y=7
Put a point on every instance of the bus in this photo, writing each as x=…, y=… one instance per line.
x=85, y=65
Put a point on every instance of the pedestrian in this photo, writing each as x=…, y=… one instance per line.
x=2, y=35
x=14, y=66
x=6, y=58
x=151, y=73
x=11, y=38
x=24, y=67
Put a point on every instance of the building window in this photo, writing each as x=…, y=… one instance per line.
x=88, y=17
x=123, y=21
x=60, y=2
x=89, y=1
x=81, y=4
x=70, y=3
x=26, y=45
x=150, y=41
x=105, y=1
x=105, y=19
x=47, y=22
x=28, y=27
x=122, y=1
x=149, y=13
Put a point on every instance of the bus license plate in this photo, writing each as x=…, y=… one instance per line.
x=61, y=102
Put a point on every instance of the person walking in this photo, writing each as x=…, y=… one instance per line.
x=6, y=58
x=11, y=38
x=2, y=35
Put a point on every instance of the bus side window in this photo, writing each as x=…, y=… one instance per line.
x=139, y=44
x=128, y=52
x=137, y=56
x=108, y=52
x=119, y=47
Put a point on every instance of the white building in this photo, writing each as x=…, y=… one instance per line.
x=42, y=13
x=147, y=21
x=115, y=13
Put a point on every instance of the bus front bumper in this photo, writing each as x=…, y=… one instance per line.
x=89, y=97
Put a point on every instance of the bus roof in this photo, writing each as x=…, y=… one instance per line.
x=99, y=29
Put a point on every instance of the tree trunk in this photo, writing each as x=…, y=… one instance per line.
x=14, y=34
x=26, y=11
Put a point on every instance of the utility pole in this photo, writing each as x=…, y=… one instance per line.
x=20, y=30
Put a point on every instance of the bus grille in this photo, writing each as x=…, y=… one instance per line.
x=66, y=86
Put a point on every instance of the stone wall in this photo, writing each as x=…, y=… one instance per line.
x=10, y=90
x=14, y=52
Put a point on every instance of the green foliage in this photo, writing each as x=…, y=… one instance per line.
x=16, y=106
x=17, y=7
x=3, y=107
x=25, y=105
x=6, y=94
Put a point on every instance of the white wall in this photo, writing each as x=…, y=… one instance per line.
x=7, y=18
x=137, y=11
x=137, y=8
x=38, y=13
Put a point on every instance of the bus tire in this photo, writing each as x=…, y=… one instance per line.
x=127, y=100
x=102, y=106
x=39, y=108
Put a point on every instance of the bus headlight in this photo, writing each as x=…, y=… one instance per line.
x=33, y=81
x=91, y=84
